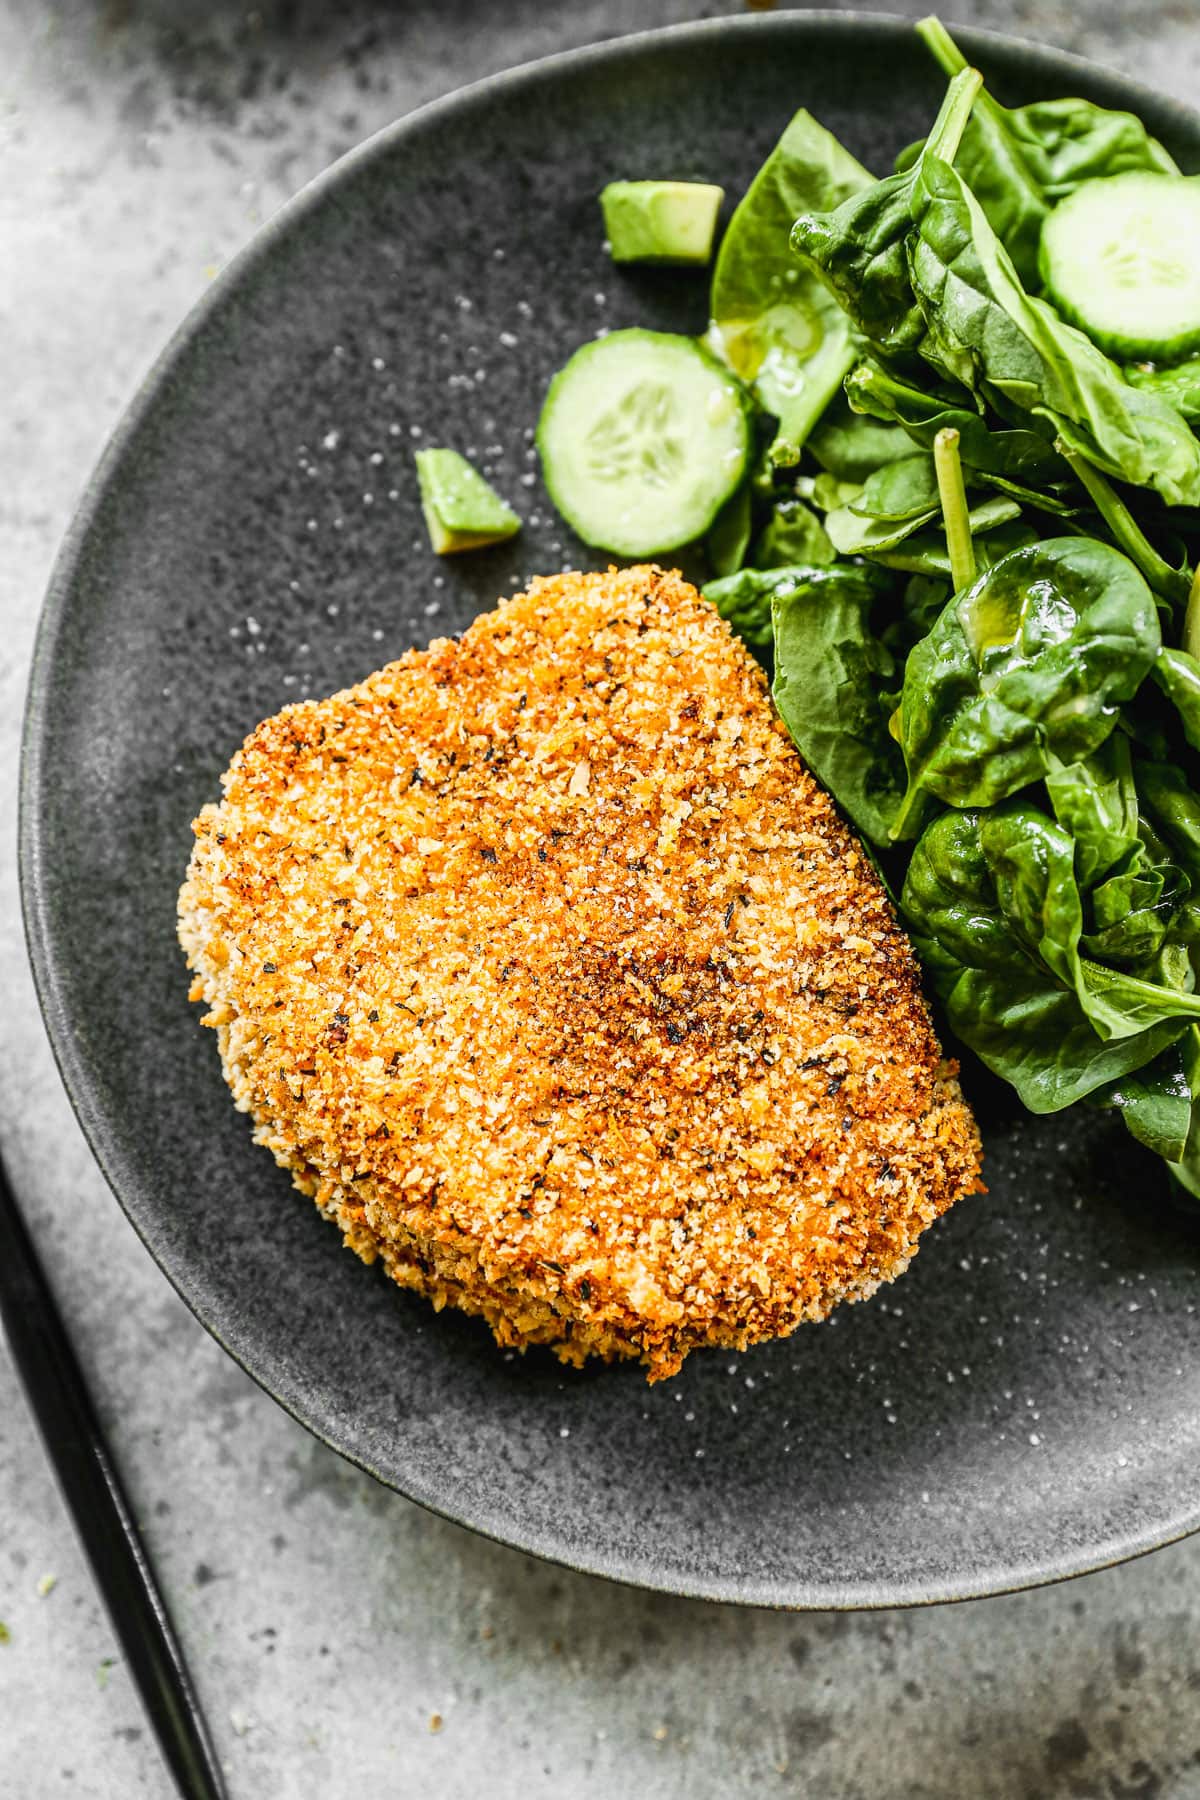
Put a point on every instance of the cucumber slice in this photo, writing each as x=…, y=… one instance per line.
x=643, y=438
x=1120, y=257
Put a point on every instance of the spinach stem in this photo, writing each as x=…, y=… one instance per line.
x=948, y=465
x=950, y=59
x=993, y=118
x=1128, y=536
x=1191, y=618
x=946, y=132
x=940, y=44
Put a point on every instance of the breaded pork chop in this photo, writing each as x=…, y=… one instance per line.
x=552, y=975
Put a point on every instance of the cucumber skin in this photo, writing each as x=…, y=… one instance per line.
x=1115, y=343
x=1119, y=345
x=668, y=542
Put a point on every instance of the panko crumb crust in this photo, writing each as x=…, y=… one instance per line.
x=546, y=968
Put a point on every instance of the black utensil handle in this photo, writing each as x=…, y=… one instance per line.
x=90, y=1485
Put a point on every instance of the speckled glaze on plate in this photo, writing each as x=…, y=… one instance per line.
x=1025, y=1403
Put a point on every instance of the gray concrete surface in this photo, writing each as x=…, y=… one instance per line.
x=345, y=1642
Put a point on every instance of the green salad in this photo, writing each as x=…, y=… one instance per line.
x=939, y=448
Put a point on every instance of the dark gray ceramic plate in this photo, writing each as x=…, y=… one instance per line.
x=1024, y=1404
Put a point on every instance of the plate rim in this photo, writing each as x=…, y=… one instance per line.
x=810, y=1594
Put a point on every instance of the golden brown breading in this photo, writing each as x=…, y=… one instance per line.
x=548, y=970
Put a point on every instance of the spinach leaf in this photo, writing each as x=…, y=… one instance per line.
x=744, y=599
x=828, y=492
x=1174, y=809
x=1031, y=861
x=1121, y=1005
x=1133, y=911
x=832, y=676
x=859, y=248
x=925, y=553
x=1095, y=800
x=1186, y=1175
x=1017, y=345
x=1019, y=163
x=778, y=328
x=1031, y=663
x=851, y=446
x=1032, y=864
x=1156, y=1104
x=1178, y=675
x=794, y=534
x=1186, y=1171
x=1131, y=925
x=1070, y=141
x=854, y=535
x=1139, y=893
x=900, y=490
x=1171, y=811
x=1172, y=584
x=1058, y=501
x=729, y=534
x=999, y=1000
x=924, y=598
x=1018, y=454
x=1025, y=465
x=1179, y=386
x=995, y=162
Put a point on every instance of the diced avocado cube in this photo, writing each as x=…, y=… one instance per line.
x=461, y=510
x=661, y=221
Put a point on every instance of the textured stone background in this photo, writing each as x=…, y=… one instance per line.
x=328, y=1621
